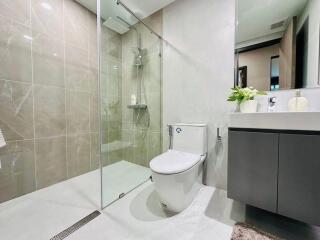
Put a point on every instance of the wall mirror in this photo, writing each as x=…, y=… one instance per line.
x=277, y=44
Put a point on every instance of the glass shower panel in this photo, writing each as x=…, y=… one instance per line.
x=130, y=91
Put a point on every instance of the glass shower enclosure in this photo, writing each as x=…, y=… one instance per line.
x=130, y=97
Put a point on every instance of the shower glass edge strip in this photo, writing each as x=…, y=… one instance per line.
x=99, y=94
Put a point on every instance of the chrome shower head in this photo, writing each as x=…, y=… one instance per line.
x=137, y=56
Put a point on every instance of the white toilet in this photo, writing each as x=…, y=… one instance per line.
x=177, y=174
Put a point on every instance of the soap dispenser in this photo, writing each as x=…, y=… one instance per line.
x=298, y=103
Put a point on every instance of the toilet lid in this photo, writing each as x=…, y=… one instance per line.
x=174, y=162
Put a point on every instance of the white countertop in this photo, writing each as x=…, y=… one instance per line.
x=309, y=121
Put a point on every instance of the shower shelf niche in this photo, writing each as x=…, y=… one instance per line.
x=138, y=106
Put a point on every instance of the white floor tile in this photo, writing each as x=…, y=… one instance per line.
x=138, y=215
x=45, y=213
x=33, y=219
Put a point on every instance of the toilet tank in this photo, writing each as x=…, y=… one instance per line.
x=191, y=138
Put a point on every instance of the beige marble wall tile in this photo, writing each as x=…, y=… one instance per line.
x=130, y=79
x=78, y=114
x=104, y=115
x=49, y=111
x=15, y=51
x=110, y=44
x=95, y=151
x=55, y=42
x=16, y=110
x=104, y=137
x=77, y=69
x=140, y=148
x=78, y=43
x=50, y=161
x=93, y=79
x=76, y=24
x=104, y=159
x=78, y=154
x=103, y=86
x=94, y=113
x=47, y=17
x=110, y=113
x=143, y=125
x=113, y=113
x=154, y=147
x=18, y=10
x=110, y=63
x=142, y=119
x=128, y=136
x=17, y=174
x=114, y=125
x=113, y=157
x=111, y=83
x=155, y=21
x=104, y=152
x=152, y=73
x=154, y=109
x=111, y=102
x=151, y=43
x=109, y=155
x=129, y=43
x=128, y=119
x=113, y=135
x=93, y=43
x=48, y=60
x=93, y=55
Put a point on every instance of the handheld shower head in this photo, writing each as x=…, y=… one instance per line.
x=138, y=56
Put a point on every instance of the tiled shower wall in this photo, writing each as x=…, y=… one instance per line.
x=142, y=128
x=128, y=134
x=48, y=94
x=111, y=90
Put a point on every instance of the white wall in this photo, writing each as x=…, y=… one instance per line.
x=198, y=72
x=312, y=11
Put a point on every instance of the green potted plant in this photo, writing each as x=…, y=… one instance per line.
x=246, y=98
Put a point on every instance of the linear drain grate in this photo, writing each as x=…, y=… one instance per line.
x=76, y=226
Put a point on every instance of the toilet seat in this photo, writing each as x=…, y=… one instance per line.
x=173, y=162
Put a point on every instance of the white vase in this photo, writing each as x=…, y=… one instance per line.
x=249, y=106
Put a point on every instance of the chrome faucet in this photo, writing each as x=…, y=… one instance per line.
x=272, y=104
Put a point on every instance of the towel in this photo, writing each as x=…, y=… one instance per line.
x=2, y=141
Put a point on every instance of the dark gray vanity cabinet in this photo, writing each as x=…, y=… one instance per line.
x=276, y=170
x=253, y=168
x=299, y=177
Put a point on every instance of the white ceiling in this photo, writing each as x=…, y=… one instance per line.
x=255, y=17
x=142, y=8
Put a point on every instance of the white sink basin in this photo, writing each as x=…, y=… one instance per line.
x=278, y=120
